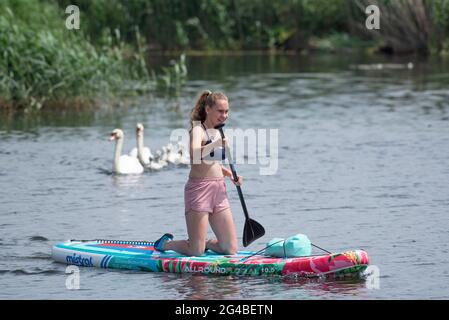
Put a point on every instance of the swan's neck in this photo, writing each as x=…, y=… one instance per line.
x=140, y=149
x=117, y=153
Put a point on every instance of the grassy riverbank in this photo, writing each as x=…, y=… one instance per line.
x=46, y=65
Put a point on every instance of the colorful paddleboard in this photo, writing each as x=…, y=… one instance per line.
x=141, y=255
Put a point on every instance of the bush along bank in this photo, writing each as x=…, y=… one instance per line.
x=46, y=66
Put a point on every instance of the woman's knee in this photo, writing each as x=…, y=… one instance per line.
x=197, y=249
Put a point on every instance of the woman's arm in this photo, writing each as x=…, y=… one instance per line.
x=226, y=172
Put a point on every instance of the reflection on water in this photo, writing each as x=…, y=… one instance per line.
x=362, y=165
x=324, y=288
x=126, y=182
x=200, y=287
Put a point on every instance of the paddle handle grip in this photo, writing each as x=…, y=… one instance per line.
x=234, y=173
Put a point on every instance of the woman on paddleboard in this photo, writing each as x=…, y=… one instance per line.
x=205, y=196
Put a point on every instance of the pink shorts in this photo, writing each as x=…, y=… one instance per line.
x=206, y=194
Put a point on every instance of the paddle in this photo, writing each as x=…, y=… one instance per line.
x=252, y=229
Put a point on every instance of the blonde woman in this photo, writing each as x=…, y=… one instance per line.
x=205, y=196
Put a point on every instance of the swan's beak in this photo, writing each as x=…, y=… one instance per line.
x=112, y=137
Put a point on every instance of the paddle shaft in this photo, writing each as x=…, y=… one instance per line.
x=252, y=229
x=235, y=176
x=239, y=190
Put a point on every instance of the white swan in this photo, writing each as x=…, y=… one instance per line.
x=168, y=154
x=174, y=154
x=123, y=164
x=183, y=157
x=158, y=162
x=143, y=154
x=156, y=165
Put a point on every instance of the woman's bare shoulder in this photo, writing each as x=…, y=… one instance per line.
x=196, y=130
x=196, y=125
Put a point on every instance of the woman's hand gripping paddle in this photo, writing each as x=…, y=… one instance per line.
x=252, y=229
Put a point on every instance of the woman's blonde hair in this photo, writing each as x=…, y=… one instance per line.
x=206, y=98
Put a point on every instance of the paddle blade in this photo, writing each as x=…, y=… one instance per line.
x=252, y=230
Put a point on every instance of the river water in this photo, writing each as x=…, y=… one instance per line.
x=363, y=162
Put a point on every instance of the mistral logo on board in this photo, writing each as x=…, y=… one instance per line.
x=79, y=260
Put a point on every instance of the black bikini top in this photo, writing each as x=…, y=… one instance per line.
x=215, y=154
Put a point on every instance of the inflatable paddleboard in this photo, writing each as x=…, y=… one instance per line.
x=141, y=255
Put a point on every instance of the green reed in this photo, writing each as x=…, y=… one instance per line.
x=44, y=64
